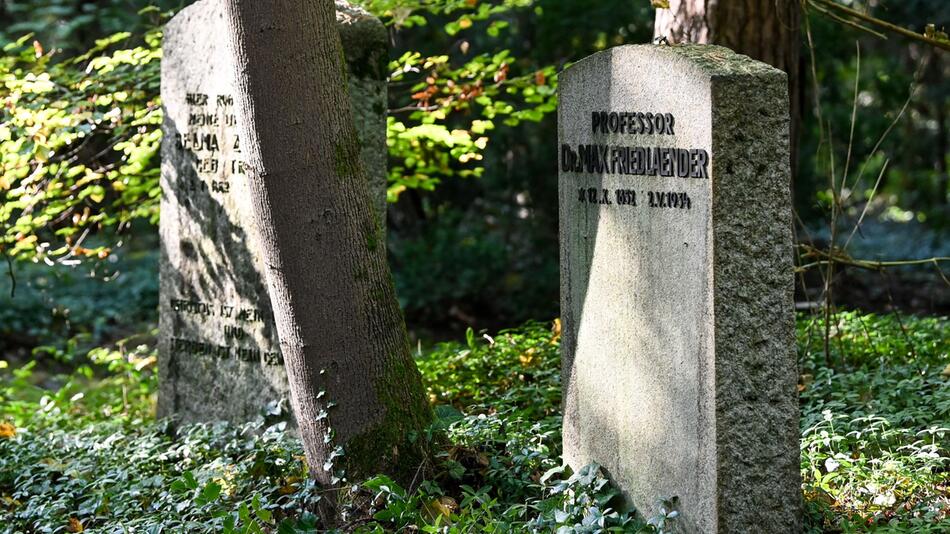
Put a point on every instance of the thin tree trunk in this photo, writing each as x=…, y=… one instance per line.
x=767, y=30
x=352, y=378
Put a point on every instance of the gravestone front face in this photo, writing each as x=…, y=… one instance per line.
x=219, y=356
x=679, y=362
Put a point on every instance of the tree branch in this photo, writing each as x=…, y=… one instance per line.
x=818, y=4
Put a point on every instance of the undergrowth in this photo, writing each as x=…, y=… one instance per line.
x=88, y=456
x=876, y=423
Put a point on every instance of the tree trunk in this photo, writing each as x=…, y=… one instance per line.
x=352, y=378
x=767, y=30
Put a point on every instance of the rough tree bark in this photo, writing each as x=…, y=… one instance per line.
x=352, y=378
x=767, y=30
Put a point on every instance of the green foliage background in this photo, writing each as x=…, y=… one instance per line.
x=470, y=133
x=473, y=240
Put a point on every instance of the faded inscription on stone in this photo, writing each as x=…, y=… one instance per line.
x=219, y=353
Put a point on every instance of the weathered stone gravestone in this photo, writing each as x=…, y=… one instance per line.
x=218, y=347
x=679, y=362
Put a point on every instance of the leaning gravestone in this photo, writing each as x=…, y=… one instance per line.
x=679, y=362
x=219, y=357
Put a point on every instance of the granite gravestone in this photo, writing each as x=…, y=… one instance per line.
x=219, y=356
x=679, y=363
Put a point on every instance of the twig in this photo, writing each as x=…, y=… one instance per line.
x=826, y=278
x=867, y=204
x=897, y=315
x=854, y=116
x=940, y=271
x=847, y=22
x=414, y=108
x=829, y=275
x=877, y=145
x=882, y=23
x=873, y=265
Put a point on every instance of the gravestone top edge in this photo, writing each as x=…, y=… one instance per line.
x=359, y=29
x=713, y=61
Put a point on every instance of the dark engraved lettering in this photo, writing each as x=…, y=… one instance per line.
x=202, y=119
x=613, y=122
x=682, y=163
x=207, y=166
x=196, y=99
x=247, y=355
x=700, y=163
x=233, y=332
x=669, y=199
x=638, y=161
x=626, y=197
x=633, y=123
x=652, y=161
x=666, y=162
x=250, y=315
x=196, y=142
x=660, y=121
x=568, y=157
x=199, y=348
x=619, y=157
x=191, y=307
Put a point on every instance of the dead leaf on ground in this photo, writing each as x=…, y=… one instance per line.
x=527, y=357
x=556, y=331
x=443, y=506
x=291, y=486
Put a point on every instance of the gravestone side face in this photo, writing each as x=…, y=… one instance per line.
x=678, y=349
x=219, y=356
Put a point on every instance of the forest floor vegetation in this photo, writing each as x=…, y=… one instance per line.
x=89, y=456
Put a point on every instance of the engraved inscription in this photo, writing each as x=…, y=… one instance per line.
x=624, y=160
x=212, y=146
